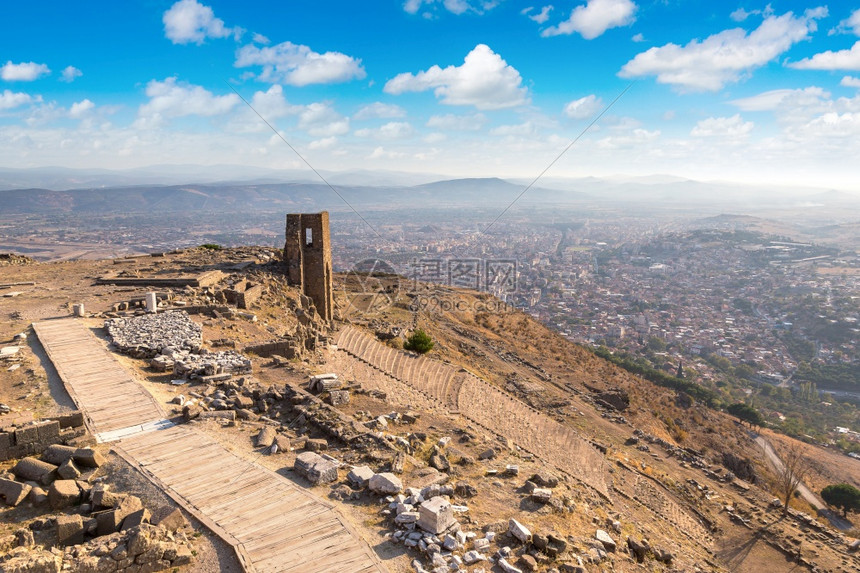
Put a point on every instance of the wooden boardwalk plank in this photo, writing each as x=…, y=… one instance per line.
x=279, y=526
x=273, y=524
x=96, y=381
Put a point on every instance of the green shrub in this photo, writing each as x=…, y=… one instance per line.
x=420, y=342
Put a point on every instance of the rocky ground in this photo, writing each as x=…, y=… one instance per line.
x=665, y=455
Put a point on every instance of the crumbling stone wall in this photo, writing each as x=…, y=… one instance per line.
x=141, y=548
x=307, y=258
x=244, y=294
x=286, y=348
x=17, y=442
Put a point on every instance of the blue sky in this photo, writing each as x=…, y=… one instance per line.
x=743, y=91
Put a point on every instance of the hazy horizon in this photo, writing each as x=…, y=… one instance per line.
x=71, y=178
x=696, y=90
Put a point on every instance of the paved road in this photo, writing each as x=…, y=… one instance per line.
x=805, y=492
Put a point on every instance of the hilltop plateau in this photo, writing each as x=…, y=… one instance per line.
x=551, y=457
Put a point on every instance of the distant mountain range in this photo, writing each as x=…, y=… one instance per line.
x=65, y=178
x=272, y=197
x=238, y=188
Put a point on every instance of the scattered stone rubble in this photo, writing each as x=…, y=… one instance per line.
x=424, y=519
x=149, y=335
x=173, y=343
x=279, y=408
x=143, y=547
x=687, y=456
x=122, y=534
x=55, y=478
x=32, y=438
x=311, y=333
x=204, y=364
x=9, y=259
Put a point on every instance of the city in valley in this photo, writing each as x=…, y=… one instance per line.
x=702, y=344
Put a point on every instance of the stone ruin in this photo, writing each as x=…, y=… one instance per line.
x=90, y=527
x=307, y=259
x=311, y=333
x=146, y=336
x=28, y=439
x=172, y=342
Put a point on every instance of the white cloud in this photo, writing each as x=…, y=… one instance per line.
x=840, y=60
x=69, y=74
x=10, y=99
x=484, y=80
x=81, y=108
x=178, y=99
x=832, y=124
x=325, y=143
x=272, y=104
x=298, y=65
x=619, y=123
x=519, y=130
x=774, y=99
x=23, y=72
x=850, y=82
x=456, y=6
x=451, y=122
x=853, y=22
x=379, y=110
x=453, y=6
x=260, y=39
x=381, y=153
x=189, y=21
x=45, y=114
x=583, y=107
x=635, y=138
x=733, y=127
x=412, y=6
x=640, y=37
x=740, y=15
x=850, y=25
x=724, y=57
x=541, y=17
x=391, y=130
x=321, y=120
x=594, y=18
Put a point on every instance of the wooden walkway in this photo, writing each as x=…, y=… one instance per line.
x=99, y=385
x=273, y=524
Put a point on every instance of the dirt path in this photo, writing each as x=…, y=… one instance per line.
x=813, y=500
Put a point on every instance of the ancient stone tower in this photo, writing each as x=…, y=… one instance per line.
x=307, y=256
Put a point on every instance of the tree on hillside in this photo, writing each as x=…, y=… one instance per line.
x=746, y=413
x=656, y=344
x=791, y=473
x=842, y=495
x=419, y=341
